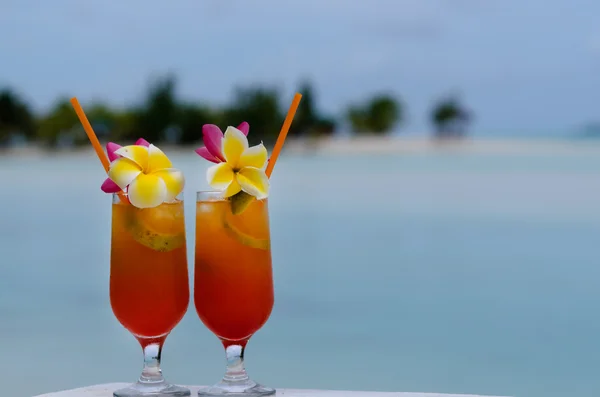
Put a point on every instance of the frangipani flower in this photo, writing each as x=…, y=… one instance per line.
x=242, y=168
x=147, y=173
x=109, y=186
x=213, y=138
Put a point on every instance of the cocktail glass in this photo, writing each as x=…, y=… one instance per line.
x=149, y=290
x=233, y=283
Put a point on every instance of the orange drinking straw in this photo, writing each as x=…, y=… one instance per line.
x=93, y=138
x=283, y=133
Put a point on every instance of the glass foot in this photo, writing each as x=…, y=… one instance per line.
x=160, y=389
x=247, y=388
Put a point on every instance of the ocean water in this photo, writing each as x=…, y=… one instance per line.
x=435, y=272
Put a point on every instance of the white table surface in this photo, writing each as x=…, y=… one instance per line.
x=107, y=389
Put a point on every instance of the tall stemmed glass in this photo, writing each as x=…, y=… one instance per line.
x=149, y=289
x=233, y=282
x=233, y=279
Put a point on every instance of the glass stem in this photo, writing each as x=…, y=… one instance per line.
x=235, y=364
x=151, y=372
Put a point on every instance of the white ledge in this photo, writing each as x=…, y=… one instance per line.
x=106, y=390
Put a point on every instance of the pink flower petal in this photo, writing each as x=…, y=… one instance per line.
x=203, y=152
x=109, y=186
x=142, y=142
x=244, y=127
x=212, y=140
x=111, y=147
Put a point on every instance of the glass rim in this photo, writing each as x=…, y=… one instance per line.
x=209, y=195
x=213, y=195
x=116, y=198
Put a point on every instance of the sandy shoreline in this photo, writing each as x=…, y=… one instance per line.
x=394, y=145
x=379, y=145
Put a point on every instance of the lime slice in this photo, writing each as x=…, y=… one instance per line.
x=240, y=202
x=243, y=238
x=161, y=228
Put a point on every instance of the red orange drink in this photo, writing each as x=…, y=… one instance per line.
x=233, y=282
x=149, y=291
x=233, y=278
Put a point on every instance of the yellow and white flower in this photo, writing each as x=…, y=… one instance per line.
x=243, y=168
x=147, y=174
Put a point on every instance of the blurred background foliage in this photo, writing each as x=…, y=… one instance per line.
x=162, y=117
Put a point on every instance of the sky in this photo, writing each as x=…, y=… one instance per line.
x=519, y=65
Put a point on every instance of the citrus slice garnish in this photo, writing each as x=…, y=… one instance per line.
x=244, y=238
x=240, y=201
x=160, y=228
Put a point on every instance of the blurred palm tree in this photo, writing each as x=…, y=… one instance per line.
x=191, y=118
x=158, y=113
x=15, y=116
x=59, y=123
x=379, y=115
x=358, y=119
x=105, y=121
x=308, y=121
x=259, y=106
x=449, y=118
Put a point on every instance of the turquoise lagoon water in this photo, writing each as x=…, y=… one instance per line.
x=437, y=272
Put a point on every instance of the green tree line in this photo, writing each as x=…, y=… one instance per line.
x=163, y=117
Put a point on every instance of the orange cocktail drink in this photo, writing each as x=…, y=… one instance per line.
x=233, y=277
x=149, y=290
x=233, y=281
